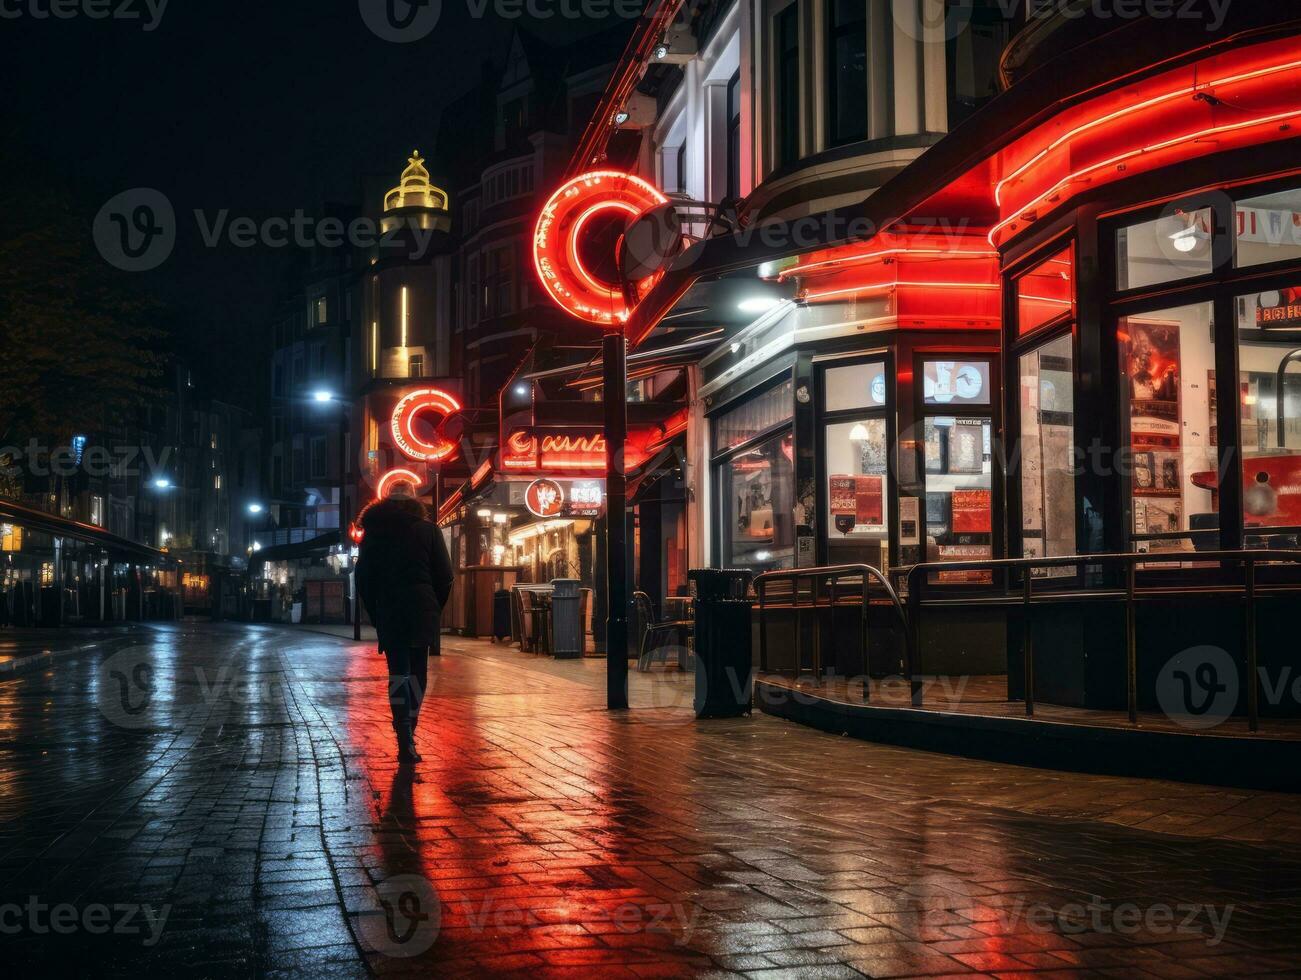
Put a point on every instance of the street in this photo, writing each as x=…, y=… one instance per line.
x=222, y=800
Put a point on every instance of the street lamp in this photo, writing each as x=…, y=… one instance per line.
x=322, y=395
x=162, y=483
x=255, y=508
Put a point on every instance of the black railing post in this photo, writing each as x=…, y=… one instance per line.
x=867, y=663
x=1131, y=648
x=1253, y=707
x=1027, y=642
x=915, y=635
x=763, y=626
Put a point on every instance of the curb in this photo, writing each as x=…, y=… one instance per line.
x=37, y=661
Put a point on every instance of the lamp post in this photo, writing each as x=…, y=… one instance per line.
x=614, y=367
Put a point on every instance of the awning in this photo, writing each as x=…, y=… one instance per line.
x=40, y=522
x=315, y=548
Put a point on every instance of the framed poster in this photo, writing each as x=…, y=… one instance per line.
x=967, y=446
x=972, y=512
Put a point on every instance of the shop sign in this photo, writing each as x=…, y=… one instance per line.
x=1278, y=309
x=570, y=449
x=433, y=404
x=564, y=226
x=544, y=498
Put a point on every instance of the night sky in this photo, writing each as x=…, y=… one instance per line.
x=260, y=108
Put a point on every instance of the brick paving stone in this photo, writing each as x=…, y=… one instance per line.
x=237, y=782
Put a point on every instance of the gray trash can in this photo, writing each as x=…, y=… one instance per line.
x=566, y=624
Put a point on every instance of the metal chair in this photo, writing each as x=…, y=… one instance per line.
x=652, y=629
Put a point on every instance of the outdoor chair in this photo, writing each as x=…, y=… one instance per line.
x=653, y=632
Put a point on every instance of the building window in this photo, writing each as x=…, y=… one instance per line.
x=734, y=135
x=855, y=481
x=319, y=311
x=498, y=282
x=1268, y=228
x=1168, y=368
x=416, y=366
x=957, y=433
x=846, y=71
x=680, y=167
x=1046, y=294
x=318, y=457
x=1047, y=459
x=756, y=416
x=757, y=496
x=787, y=42
x=97, y=511
x=1171, y=247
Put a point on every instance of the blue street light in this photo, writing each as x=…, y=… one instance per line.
x=323, y=396
x=255, y=508
x=162, y=483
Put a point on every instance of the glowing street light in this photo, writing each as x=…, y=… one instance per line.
x=322, y=395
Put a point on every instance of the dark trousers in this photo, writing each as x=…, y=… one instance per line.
x=408, y=670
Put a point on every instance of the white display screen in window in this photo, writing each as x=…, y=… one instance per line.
x=955, y=382
x=854, y=386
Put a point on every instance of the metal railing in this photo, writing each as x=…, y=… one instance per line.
x=917, y=579
x=832, y=577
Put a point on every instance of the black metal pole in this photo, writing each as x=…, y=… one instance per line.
x=614, y=354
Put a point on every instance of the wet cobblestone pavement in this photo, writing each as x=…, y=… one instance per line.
x=222, y=800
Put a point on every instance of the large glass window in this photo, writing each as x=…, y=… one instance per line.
x=959, y=492
x=1046, y=293
x=756, y=416
x=1047, y=461
x=846, y=71
x=1269, y=396
x=1169, y=370
x=757, y=494
x=787, y=43
x=857, y=498
x=854, y=386
x=1268, y=228
x=1171, y=247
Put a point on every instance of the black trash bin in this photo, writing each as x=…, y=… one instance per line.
x=724, y=671
x=501, y=614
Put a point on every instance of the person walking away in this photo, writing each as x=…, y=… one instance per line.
x=404, y=576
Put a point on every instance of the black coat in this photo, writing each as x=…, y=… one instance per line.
x=404, y=573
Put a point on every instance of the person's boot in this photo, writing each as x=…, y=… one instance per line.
x=406, y=745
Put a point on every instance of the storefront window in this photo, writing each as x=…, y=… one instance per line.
x=1046, y=293
x=854, y=386
x=1047, y=461
x=756, y=416
x=1269, y=353
x=757, y=493
x=959, y=504
x=1165, y=249
x=955, y=382
x=1268, y=228
x=1169, y=368
x=858, y=510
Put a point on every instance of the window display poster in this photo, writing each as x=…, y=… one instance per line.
x=955, y=382
x=972, y=512
x=859, y=498
x=752, y=483
x=1152, y=357
x=908, y=520
x=964, y=552
x=967, y=446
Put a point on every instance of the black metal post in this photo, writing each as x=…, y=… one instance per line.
x=614, y=354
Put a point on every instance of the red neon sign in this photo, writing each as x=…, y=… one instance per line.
x=424, y=401
x=1239, y=98
x=526, y=450
x=399, y=475
x=924, y=279
x=557, y=239
x=544, y=498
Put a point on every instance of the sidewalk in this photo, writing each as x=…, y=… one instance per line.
x=28, y=648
